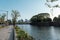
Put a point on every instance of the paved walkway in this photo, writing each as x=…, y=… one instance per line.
x=5, y=33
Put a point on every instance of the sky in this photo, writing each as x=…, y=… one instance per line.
x=27, y=8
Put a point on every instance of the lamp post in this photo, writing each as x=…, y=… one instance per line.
x=7, y=18
x=7, y=15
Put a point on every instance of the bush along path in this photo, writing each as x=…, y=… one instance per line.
x=22, y=35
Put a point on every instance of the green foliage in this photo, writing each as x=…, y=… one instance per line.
x=21, y=35
x=15, y=15
x=47, y=3
x=40, y=17
x=56, y=19
x=44, y=15
x=47, y=20
x=2, y=18
x=56, y=6
x=51, y=0
x=34, y=18
x=58, y=16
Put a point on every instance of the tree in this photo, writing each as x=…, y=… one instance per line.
x=9, y=21
x=55, y=19
x=47, y=20
x=51, y=0
x=59, y=18
x=20, y=21
x=40, y=17
x=3, y=17
x=15, y=15
x=49, y=5
x=44, y=15
x=34, y=19
x=26, y=20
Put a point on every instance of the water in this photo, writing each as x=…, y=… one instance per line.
x=42, y=33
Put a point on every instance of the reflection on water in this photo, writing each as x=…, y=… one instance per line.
x=53, y=34
x=42, y=33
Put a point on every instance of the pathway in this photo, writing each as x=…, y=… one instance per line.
x=5, y=33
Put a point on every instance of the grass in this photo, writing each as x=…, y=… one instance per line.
x=1, y=27
x=22, y=35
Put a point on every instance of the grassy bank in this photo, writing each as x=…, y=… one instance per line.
x=2, y=27
x=22, y=35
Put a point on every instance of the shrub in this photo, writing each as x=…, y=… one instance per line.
x=21, y=35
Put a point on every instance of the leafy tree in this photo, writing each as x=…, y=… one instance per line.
x=44, y=15
x=34, y=19
x=39, y=17
x=55, y=19
x=51, y=0
x=15, y=15
x=47, y=20
x=50, y=6
x=3, y=17
x=26, y=20
x=9, y=21
x=58, y=18
x=21, y=20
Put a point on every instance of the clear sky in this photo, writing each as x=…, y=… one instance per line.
x=27, y=8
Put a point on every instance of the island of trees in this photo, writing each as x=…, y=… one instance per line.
x=43, y=19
